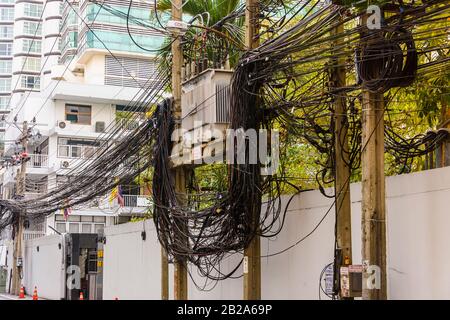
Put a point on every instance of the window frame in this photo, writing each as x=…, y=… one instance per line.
x=5, y=81
x=34, y=44
x=33, y=10
x=3, y=64
x=8, y=34
x=27, y=25
x=9, y=16
x=26, y=76
x=66, y=113
x=8, y=52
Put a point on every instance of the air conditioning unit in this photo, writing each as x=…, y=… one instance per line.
x=63, y=124
x=65, y=164
x=100, y=126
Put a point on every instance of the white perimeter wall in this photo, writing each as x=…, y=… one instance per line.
x=418, y=229
x=44, y=268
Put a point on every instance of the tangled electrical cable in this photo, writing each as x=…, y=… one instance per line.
x=285, y=81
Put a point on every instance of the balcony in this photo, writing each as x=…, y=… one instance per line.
x=38, y=161
x=133, y=201
x=127, y=124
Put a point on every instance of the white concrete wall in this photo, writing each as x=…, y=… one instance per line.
x=132, y=266
x=418, y=220
x=45, y=268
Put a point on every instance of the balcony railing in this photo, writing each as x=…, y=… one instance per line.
x=128, y=124
x=38, y=161
x=133, y=201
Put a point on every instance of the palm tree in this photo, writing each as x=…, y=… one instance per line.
x=216, y=34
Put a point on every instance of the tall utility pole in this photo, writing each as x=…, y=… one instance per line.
x=373, y=222
x=164, y=275
x=180, y=273
x=20, y=192
x=252, y=254
x=341, y=155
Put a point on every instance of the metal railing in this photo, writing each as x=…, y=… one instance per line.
x=134, y=201
x=29, y=235
x=38, y=161
x=127, y=124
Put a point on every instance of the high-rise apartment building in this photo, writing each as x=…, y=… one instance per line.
x=35, y=36
x=73, y=68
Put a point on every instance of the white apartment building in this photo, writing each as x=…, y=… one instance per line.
x=73, y=88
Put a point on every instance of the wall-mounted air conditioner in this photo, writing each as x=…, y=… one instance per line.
x=63, y=124
x=65, y=164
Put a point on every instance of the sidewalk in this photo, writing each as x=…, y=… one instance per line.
x=6, y=296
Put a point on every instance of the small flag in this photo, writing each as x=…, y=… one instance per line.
x=113, y=195
x=67, y=210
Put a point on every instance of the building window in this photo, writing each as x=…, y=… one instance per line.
x=7, y=14
x=5, y=49
x=6, y=32
x=86, y=228
x=78, y=114
x=32, y=28
x=5, y=66
x=32, y=46
x=61, y=227
x=74, y=228
x=5, y=85
x=4, y=101
x=30, y=82
x=32, y=10
x=77, y=148
x=31, y=64
x=77, y=225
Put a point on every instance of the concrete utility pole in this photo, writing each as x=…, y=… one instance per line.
x=20, y=192
x=341, y=154
x=180, y=274
x=252, y=254
x=373, y=196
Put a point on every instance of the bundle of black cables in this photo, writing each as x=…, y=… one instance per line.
x=382, y=64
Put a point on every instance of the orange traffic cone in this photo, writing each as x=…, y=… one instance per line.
x=22, y=292
x=81, y=295
x=35, y=295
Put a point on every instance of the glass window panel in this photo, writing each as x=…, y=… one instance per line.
x=5, y=85
x=59, y=217
x=6, y=14
x=74, y=228
x=5, y=49
x=6, y=31
x=61, y=227
x=5, y=66
x=73, y=218
x=98, y=227
x=86, y=218
x=4, y=101
x=86, y=228
x=99, y=219
x=63, y=151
